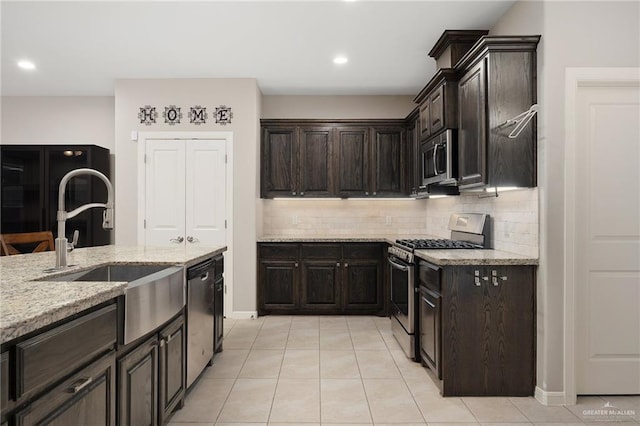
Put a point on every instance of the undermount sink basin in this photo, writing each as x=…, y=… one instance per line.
x=154, y=293
x=116, y=272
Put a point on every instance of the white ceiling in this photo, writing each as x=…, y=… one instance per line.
x=81, y=48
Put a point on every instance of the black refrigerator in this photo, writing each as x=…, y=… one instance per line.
x=31, y=175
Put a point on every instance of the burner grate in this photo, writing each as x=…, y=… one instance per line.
x=423, y=244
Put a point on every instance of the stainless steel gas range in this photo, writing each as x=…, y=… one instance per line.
x=468, y=231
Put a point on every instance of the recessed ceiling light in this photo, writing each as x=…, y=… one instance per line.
x=340, y=60
x=26, y=65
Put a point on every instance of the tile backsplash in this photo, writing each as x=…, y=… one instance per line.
x=514, y=218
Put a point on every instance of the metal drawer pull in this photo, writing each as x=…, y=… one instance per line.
x=346, y=265
x=338, y=264
x=80, y=384
x=476, y=281
x=205, y=276
x=428, y=303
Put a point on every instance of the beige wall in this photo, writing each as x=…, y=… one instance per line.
x=76, y=120
x=243, y=96
x=335, y=107
x=574, y=34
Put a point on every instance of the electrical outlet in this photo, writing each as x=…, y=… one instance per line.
x=294, y=220
x=387, y=220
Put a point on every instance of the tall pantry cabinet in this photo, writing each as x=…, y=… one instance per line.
x=31, y=175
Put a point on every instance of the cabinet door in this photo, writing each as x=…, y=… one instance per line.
x=429, y=339
x=279, y=162
x=472, y=133
x=23, y=208
x=85, y=398
x=353, y=158
x=389, y=160
x=436, y=110
x=425, y=119
x=362, y=286
x=321, y=285
x=138, y=385
x=316, y=169
x=278, y=286
x=172, y=372
x=413, y=165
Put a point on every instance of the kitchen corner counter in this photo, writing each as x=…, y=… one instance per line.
x=474, y=257
x=27, y=304
x=326, y=239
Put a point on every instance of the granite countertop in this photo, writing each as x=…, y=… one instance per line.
x=336, y=239
x=474, y=257
x=26, y=303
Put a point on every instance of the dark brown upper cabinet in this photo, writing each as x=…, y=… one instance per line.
x=279, y=167
x=497, y=83
x=339, y=158
x=437, y=103
x=353, y=152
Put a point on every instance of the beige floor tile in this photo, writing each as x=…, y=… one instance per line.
x=420, y=384
x=333, y=323
x=190, y=424
x=204, y=401
x=304, y=338
x=506, y=424
x=344, y=401
x=300, y=364
x=275, y=338
x=339, y=365
x=293, y=423
x=454, y=424
x=249, y=401
x=391, y=402
x=262, y=363
x=559, y=424
x=296, y=401
x=240, y=424
x=437, y=409
x=538, y=413
x=345, y=424
x=335, y=340
x=376, y=365
x=367, y=340
x=383, y=323
x=226, y=364
x=403, y=424
x=276, y=321
x=357, y=322
x=239, y=338
x=305, y=322
x=494, y=410
x=627, y=404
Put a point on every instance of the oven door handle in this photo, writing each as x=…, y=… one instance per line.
x=397, y=265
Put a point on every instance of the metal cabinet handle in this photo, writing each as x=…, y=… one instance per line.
x=177, y=240
x=338, y=264
x=192, y=239
x=294, y=193
x=302, y=193
x=346, y=265
x=171, y=337
x=428, y=302
x=204, y=276
x=296, y=264
x=375, y=193
x=80, y=384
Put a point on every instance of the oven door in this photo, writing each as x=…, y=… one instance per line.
x=403, y=293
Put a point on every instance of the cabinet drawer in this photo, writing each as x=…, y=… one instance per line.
x=278, y=251
x=321, y=251
x=362, y=251
x=430, y=276
x=57, y=352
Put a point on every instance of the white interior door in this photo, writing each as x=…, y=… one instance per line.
x=607, y=238
x=164, y=192
x=206, y=192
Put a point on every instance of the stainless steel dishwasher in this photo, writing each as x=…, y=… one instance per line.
x=200, y=318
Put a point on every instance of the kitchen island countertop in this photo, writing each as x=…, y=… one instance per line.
x=27, y=304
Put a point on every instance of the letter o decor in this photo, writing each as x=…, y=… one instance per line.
x=172, y=115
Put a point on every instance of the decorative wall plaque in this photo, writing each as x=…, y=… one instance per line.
x=147, y=115
x=223, y=114
x=172, y=115
x=198, y=115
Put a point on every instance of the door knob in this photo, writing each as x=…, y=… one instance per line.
x=177, y=240
x=192, y=239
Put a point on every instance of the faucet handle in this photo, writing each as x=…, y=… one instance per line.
x=74, y=241
x=107, y=218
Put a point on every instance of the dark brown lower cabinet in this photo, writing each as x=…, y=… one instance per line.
x=488, y=330
x=321, y=278
x=138, y=385
x=86, y=398
x=172, y=373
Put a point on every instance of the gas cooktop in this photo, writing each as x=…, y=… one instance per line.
x=424, y=244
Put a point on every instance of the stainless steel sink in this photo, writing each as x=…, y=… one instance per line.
x=154, y=293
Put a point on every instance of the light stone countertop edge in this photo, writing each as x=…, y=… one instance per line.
x=29, y=303
x=462, y=257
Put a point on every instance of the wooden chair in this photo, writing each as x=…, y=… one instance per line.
x=43, y=242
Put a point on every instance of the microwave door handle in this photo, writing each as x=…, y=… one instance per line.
x=435, y=162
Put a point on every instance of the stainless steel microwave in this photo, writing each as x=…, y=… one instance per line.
x=439, y=159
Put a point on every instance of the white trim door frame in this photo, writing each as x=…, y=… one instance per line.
x=575, y=79
x=143, y=137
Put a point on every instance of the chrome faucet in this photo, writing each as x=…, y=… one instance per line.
x=62, y=244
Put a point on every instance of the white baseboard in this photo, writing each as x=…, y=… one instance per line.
x=550, y=398
x=243, y=315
